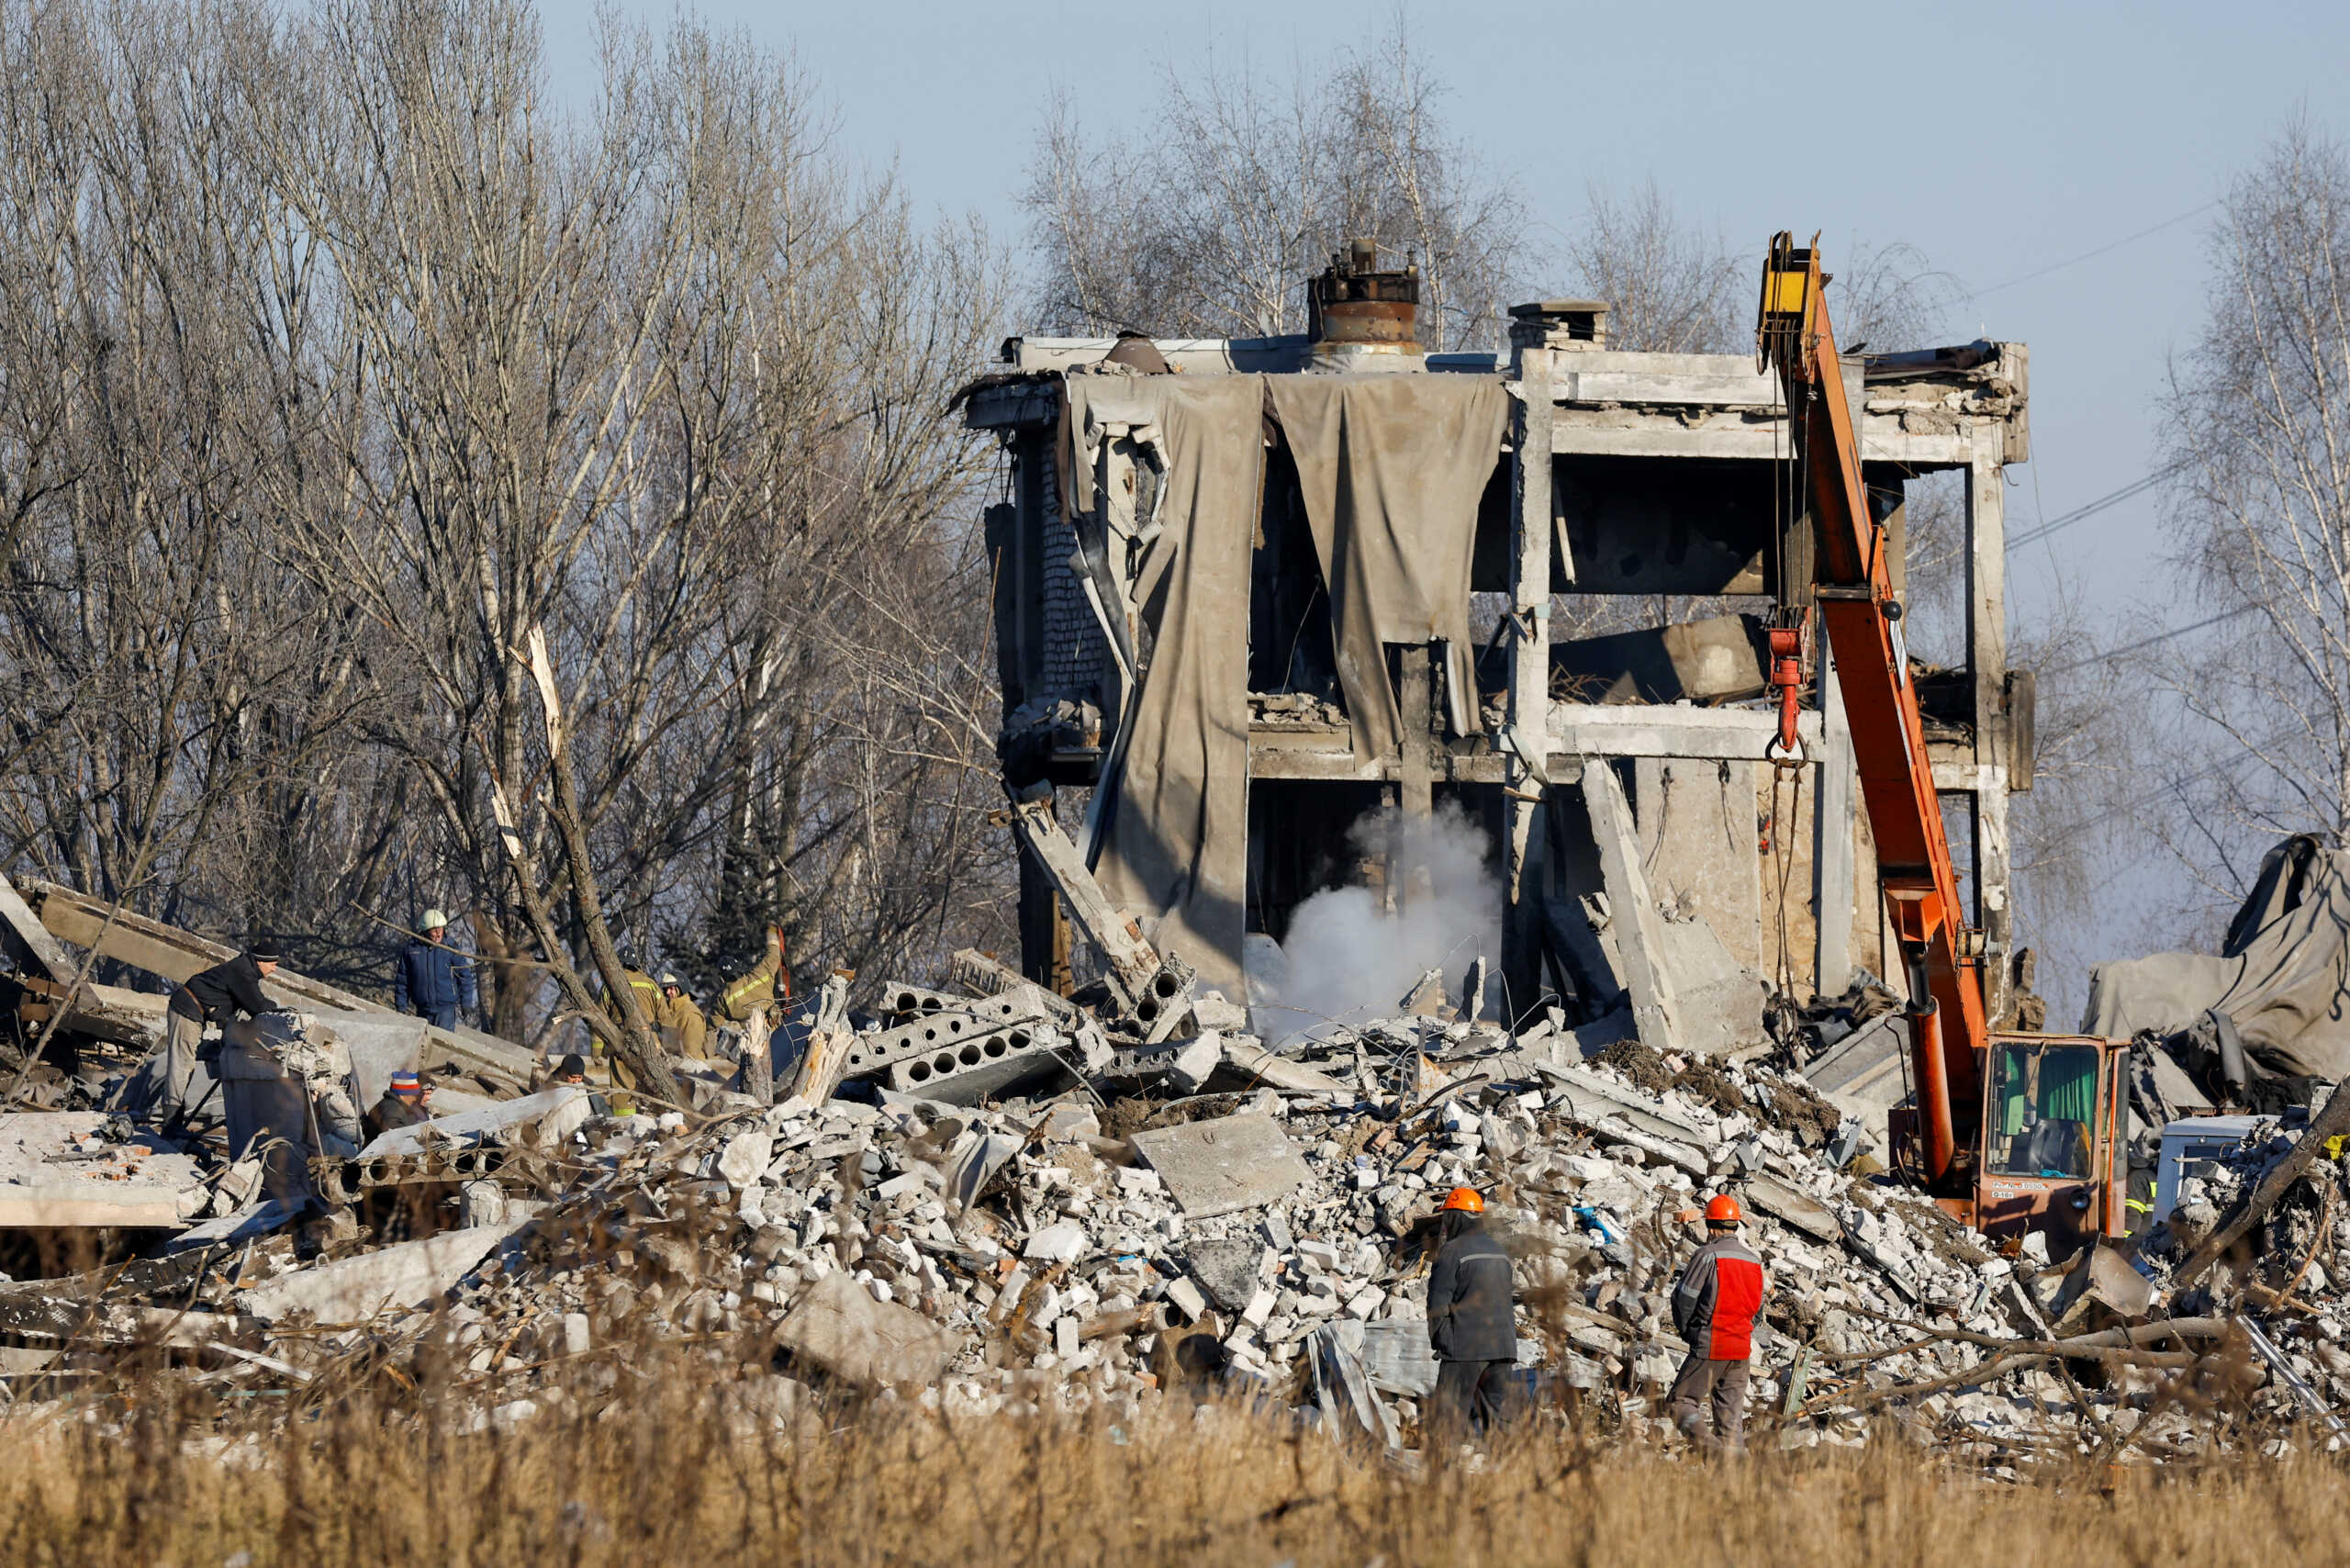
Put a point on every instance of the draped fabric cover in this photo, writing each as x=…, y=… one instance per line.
x=1391, y=467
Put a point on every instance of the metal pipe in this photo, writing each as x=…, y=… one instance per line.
x=1933, y=1088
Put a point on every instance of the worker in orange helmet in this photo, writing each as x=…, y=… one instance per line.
x=1472, y=1319
x=1714, y=1308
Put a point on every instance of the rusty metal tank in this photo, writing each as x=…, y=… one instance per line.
x=1359, y=317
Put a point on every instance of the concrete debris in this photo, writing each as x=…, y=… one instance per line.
x=1205, y=1213
x=1234, y=1162
x=62, y=1170
x=409, y=1274
x=847, y=1330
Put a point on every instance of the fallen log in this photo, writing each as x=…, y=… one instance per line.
x=2334, y=1121
x=2113, y=1347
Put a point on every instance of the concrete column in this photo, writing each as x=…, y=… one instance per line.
x=1987, y=656
x=1834, y=807
x=1530, y=678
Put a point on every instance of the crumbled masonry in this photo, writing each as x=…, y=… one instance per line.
x=1203, y=1215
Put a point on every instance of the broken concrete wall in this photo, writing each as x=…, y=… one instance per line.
x=1700, y=847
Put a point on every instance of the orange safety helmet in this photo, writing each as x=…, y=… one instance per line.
x=1722, y=1209
x=1466, y=1199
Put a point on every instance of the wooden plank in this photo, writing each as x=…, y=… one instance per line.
x=61, y=1208
x=170, y=953
x=1639, y=937
x=1115, y=934
x=42, y=943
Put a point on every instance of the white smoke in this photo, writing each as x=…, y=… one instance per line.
x=1347, y=959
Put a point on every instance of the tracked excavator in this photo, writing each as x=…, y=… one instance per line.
x=2010, y=1133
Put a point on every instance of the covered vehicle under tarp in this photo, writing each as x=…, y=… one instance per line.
x=2280, y=985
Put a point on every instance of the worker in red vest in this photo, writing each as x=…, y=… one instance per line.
x=1714, y=1308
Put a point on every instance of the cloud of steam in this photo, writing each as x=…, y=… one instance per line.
x=1345, y=958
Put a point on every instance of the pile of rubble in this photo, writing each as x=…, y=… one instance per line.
x=1197, y=1214
x=992, y=1198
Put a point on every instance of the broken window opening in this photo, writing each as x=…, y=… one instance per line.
x=2044, y=1114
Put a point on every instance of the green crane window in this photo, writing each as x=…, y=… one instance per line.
x=2043, y=1110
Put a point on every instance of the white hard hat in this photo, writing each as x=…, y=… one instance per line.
x=434, y=917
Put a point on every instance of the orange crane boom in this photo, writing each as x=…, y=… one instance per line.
x=1863, y=618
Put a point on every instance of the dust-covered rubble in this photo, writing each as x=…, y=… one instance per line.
x=1205, y=1214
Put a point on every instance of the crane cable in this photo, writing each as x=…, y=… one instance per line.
x=1784, y=483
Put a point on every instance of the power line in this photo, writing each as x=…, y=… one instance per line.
x=2150, y=642
x=2172, y=787
x=2090, y=255
x=2084, y=512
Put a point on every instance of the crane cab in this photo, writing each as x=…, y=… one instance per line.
x=2047, y=1152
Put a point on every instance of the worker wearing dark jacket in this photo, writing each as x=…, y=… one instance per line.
x=1472, y=1317
x=1714, y=1308
x=220, y=994
x=431, y=980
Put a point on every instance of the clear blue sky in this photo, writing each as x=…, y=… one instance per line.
x=1997, y=138
x=2000, y=139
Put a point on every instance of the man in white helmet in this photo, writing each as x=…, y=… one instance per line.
x=432, y=978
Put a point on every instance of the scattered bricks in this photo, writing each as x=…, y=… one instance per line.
x=1195, y=1063
x=1186, y=1298
x=576, y=1333
x=744, y=1158
x=1067, y=1123
x=1321, y=1254
x=1063, y=1242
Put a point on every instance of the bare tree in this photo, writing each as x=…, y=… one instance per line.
x=1209, y=224
x=407, y=496
x=1670, y=286
x=2258, y=427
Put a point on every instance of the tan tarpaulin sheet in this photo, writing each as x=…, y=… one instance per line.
x=2283, y=974
x=1176, y=842
x=1391, y=467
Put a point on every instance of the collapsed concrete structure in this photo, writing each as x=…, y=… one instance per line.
x=1253, y=600
x=991, y=1197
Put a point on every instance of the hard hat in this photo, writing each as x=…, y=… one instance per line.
x=669, y=978
x=1722, y=1209
x=434, y=917
x=1466, y=1199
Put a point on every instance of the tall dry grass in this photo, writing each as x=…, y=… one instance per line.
x=684, y=1459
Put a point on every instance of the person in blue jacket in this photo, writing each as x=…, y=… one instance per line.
x=431, y=979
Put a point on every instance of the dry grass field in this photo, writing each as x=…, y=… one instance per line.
x=688, y=1465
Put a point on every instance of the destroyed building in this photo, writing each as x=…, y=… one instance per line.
x=1250, y=591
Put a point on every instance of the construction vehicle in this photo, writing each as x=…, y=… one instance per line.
x=2010, y=1133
